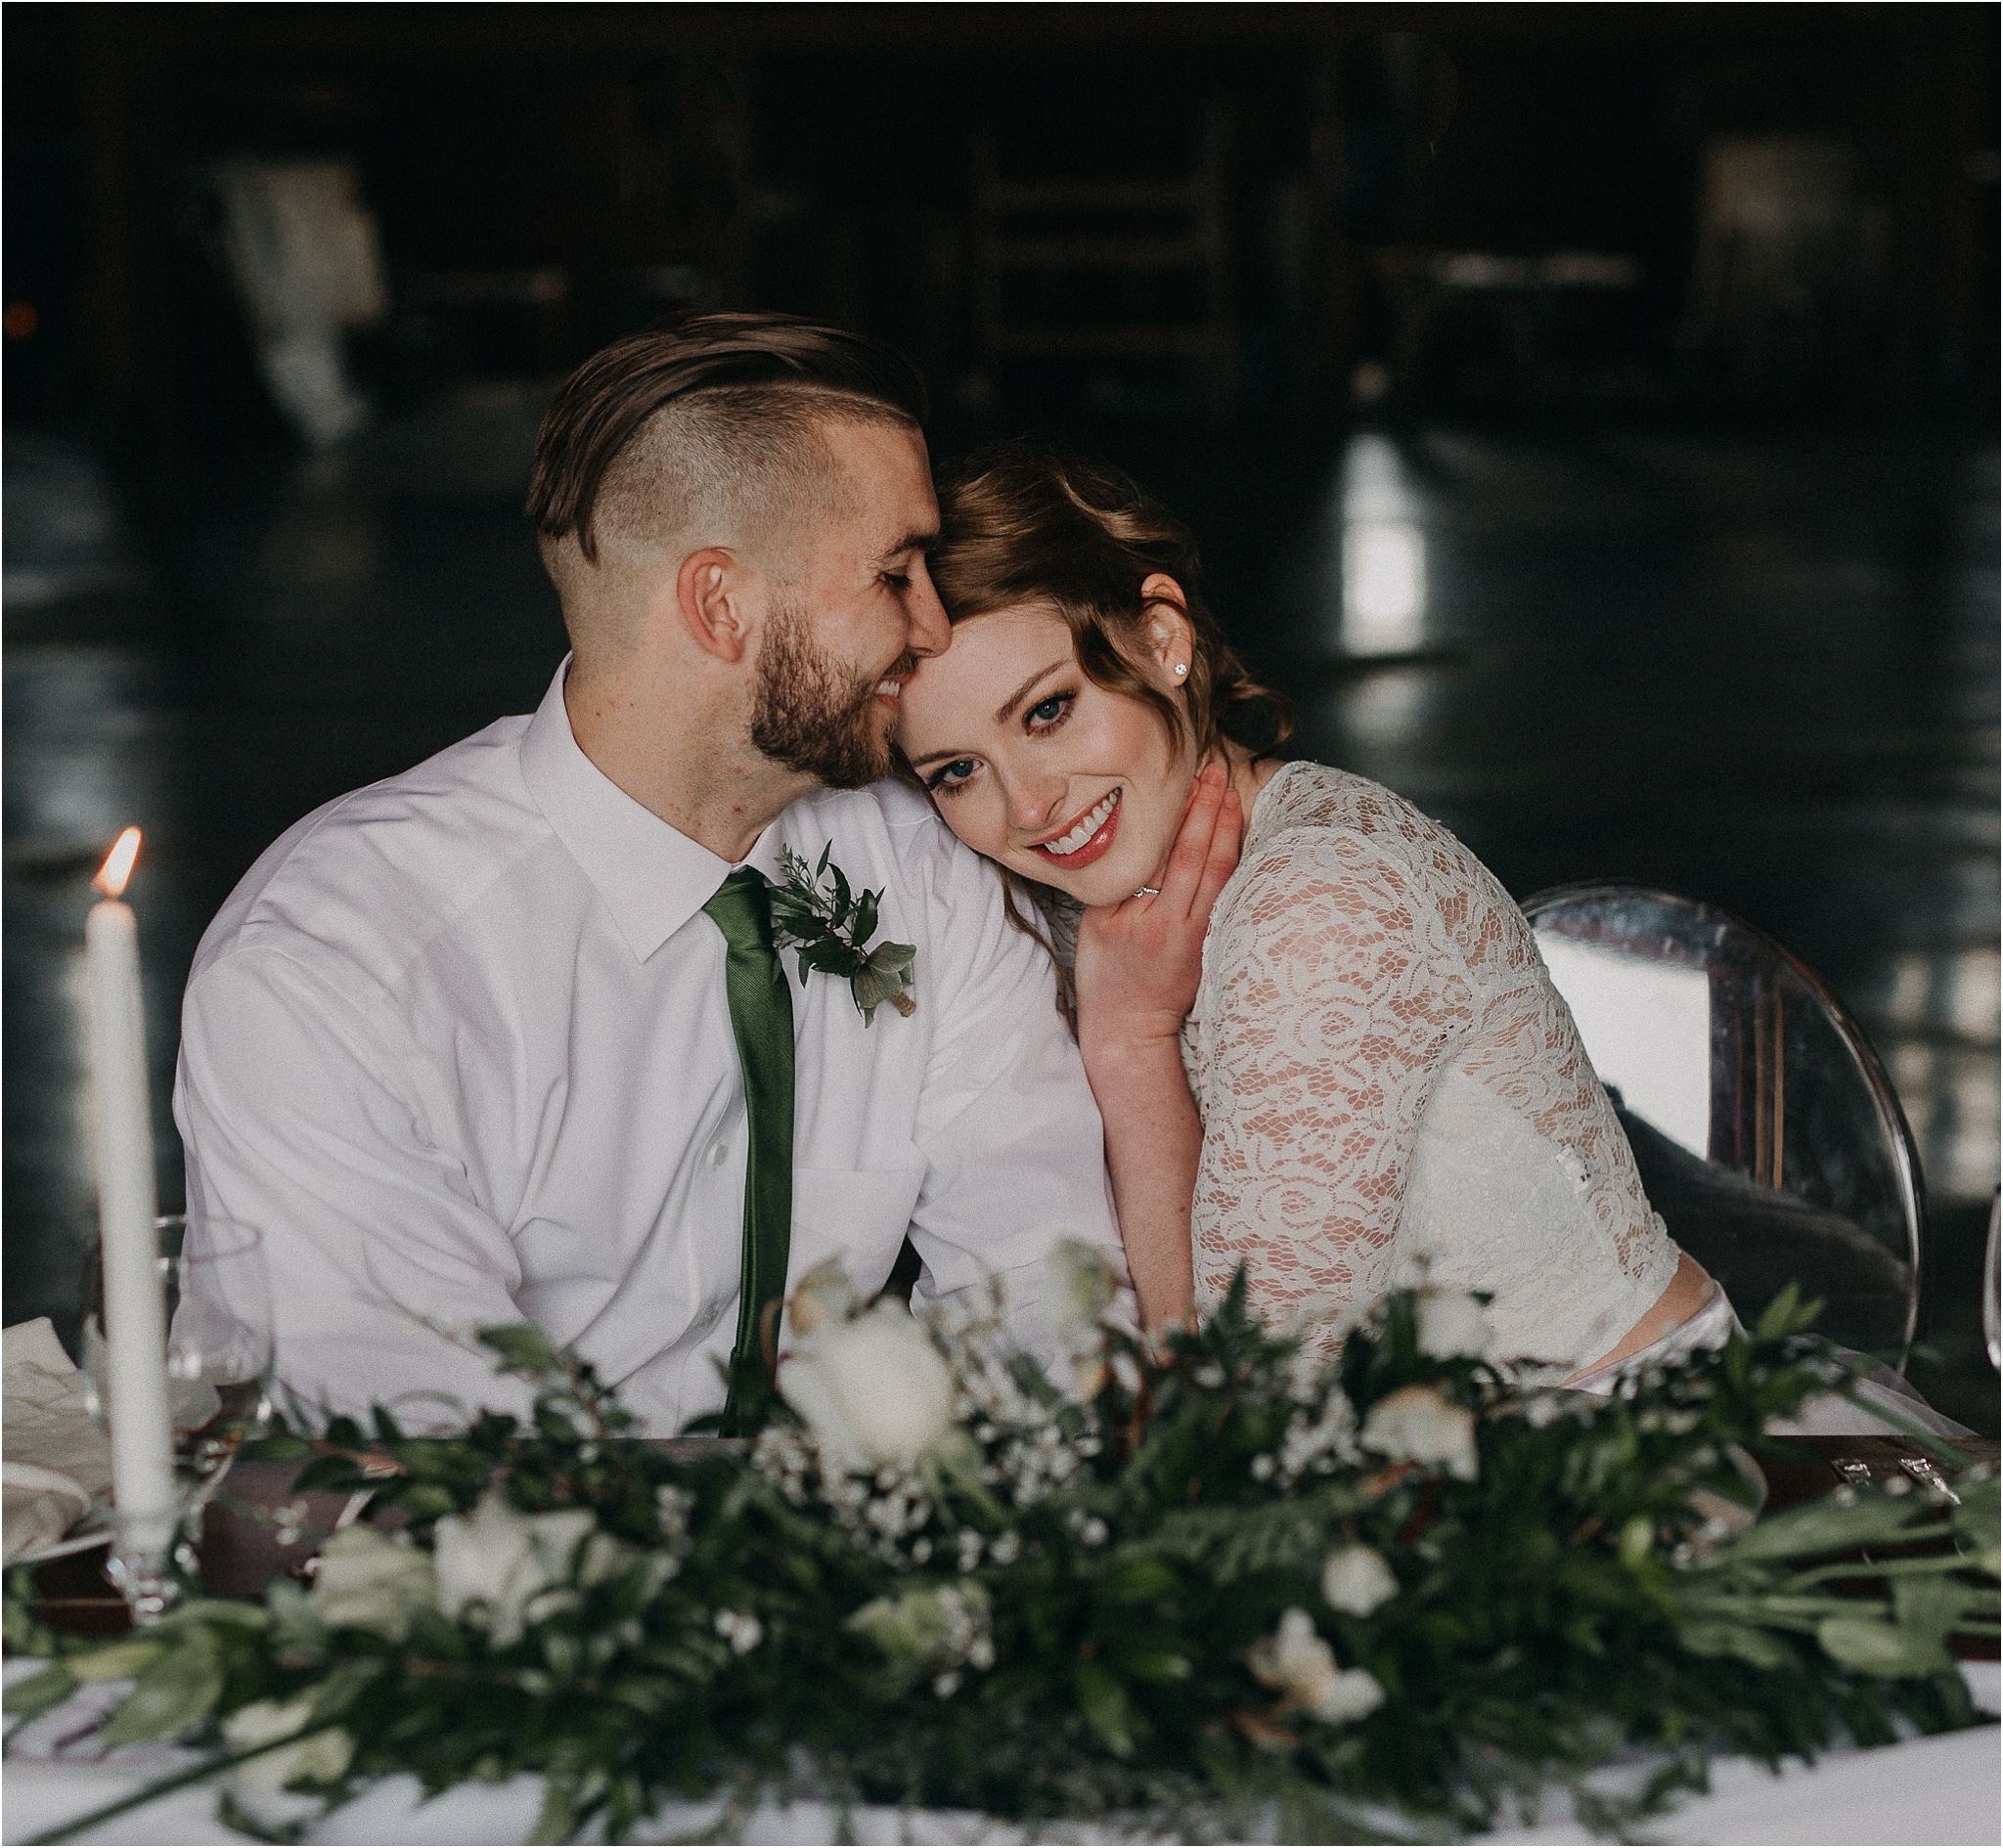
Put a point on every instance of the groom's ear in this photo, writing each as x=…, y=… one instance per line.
x=1170, y=638
x=710, y=593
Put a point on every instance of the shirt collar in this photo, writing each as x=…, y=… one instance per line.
x=651, y=876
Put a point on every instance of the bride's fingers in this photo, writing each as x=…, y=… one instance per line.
x=1221, y=860
x=1191, y=850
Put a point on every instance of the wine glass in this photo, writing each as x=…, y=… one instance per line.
x=218, y=1371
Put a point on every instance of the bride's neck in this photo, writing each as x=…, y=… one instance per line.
x=1249, y=774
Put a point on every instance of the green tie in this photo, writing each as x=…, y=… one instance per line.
x=762, y=1019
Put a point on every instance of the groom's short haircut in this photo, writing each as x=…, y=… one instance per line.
x=714, y=415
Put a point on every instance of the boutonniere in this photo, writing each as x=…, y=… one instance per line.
x=831, y=927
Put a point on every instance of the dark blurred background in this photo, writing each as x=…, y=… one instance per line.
x=1589, y=413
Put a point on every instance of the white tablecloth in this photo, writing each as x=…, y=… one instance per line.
x=1943, y=1791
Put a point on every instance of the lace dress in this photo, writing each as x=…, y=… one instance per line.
x=1388, y=1084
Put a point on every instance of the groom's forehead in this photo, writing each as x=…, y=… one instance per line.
x=883, y=507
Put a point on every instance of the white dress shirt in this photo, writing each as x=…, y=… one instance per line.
x=458, y=1047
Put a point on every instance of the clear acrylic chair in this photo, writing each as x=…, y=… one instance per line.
x=1767, y=1132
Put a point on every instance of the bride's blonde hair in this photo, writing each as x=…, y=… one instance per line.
x=1019, y=524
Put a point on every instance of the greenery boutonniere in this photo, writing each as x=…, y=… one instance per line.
x=830, y=928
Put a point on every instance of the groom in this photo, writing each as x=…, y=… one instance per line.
x=508, y=1037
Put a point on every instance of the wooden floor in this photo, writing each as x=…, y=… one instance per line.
x=1759, y=669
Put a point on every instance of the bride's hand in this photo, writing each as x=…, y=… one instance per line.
x=1138, y=961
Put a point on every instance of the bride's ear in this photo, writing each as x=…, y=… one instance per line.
x=1165, y=620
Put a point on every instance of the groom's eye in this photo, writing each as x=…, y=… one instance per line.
x=898, y=580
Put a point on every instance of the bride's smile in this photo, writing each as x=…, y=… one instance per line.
x=1078, y=846
x=1036, y=765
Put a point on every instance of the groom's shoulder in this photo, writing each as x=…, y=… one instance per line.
x=368, y=877
x=895, y=832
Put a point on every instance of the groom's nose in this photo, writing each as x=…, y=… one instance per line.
x=925, y=616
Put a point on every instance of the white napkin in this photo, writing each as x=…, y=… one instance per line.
x=57, y=1462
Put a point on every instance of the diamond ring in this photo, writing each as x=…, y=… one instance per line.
x=1147, y=892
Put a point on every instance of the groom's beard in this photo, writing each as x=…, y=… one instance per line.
x=814, y=716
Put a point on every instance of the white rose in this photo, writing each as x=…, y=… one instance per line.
x=1298, y=1661
x=1453, y=1325
x=873, y=1390
x=1354, y=1692
x=824, y=1295
x=323, y=1757
x=1081, y=1288
x=1417, y=1422
x=366, y=1581
x=497, y=1562
x=1357, y=1581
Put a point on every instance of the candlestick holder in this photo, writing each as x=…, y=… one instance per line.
x=141, y=1562
x=217, y=1366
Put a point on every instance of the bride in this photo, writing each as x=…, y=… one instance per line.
x=1332, y=1054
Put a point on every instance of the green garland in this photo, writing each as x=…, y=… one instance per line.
x=1202, y=1581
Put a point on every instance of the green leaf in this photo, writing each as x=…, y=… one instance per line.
x=1975, y=1522
x=1875, y=1647
x=40, y=1692
x=865, y=916
x=327, y=1473
x=1106, y=1709
x=1828, y=1525
x=1786, y=1315
x=1138, y=1581
x=179, y=1688
x=522, y=1349
x=1936, y=1605
x=558, y=1817
x=229, y=1613
x=1712, y=1636
x=133, y=1656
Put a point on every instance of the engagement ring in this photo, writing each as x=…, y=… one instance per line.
x=1147, y=892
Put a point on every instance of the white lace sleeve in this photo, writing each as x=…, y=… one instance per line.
x=1361, y=956
x=1337, y=988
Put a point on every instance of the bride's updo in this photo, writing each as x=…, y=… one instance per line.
x=1022, y=524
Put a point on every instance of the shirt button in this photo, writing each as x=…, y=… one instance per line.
x=719, y=1153
x=707, y=1319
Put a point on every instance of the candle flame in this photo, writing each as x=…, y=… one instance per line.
x=118, y=866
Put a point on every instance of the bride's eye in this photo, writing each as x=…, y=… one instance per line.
x=1045, y=712
x=950, y=779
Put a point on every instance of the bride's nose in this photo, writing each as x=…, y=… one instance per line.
x=1035, y=803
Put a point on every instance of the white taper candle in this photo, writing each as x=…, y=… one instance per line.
x=135, y=1308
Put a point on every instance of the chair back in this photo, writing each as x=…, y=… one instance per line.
x=1767, y=1132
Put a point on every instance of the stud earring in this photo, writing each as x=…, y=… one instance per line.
x=1181, y=668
